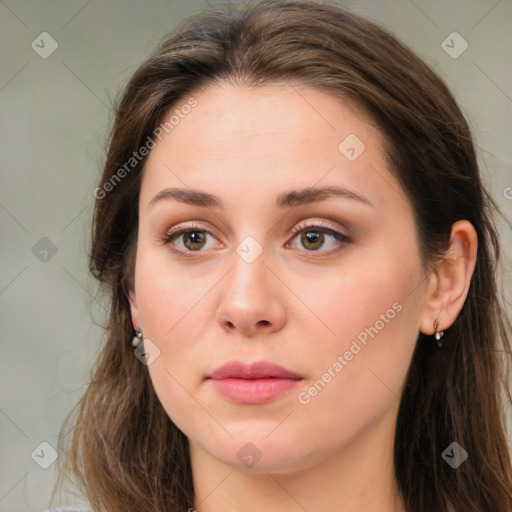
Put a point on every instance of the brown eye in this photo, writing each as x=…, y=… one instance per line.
x=187, y=241
x=312, y=239
x=315, y=237
x=194, y=240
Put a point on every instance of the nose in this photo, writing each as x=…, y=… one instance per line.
x=252, y=299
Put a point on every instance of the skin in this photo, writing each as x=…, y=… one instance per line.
x=292, y=305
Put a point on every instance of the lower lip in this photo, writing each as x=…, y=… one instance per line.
x=253, y=391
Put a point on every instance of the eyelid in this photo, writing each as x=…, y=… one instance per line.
x=311, y=224
x=189, y=227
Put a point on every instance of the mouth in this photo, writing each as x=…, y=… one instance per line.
x=253, y=383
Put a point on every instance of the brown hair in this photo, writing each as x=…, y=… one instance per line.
x=125, y=451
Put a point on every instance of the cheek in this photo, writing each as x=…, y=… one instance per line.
x=363, y=364
x=166, y=295
x=361, y=301
x=171, y=308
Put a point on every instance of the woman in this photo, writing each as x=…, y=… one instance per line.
x=292, y=228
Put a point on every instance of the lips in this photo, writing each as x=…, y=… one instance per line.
x=256, y=370
x=253, y=383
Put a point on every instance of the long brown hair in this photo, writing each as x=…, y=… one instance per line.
x=125, y=452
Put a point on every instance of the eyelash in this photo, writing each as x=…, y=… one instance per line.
x=169, y=237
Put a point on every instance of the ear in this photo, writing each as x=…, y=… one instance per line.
x=448, y=284
x=134, y=310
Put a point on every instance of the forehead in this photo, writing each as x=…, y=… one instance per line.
x=224, y=109
x=240, y=139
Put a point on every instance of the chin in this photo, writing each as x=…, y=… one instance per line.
x=260, y=454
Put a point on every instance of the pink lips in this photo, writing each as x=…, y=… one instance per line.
x=254, y=383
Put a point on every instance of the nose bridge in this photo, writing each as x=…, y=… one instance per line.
x=250, y=300
x=249, y=280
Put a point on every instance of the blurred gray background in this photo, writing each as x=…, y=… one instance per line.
x=55, y=116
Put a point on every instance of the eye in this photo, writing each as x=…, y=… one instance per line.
x=193, y=239
x=313, y=237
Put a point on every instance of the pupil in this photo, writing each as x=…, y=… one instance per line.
x=314, y=238
x=195, y=237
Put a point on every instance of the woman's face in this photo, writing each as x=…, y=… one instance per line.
x=299, y=251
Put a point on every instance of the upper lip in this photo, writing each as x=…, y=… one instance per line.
x=255, y=370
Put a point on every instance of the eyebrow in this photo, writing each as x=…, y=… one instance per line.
x=285, y=199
